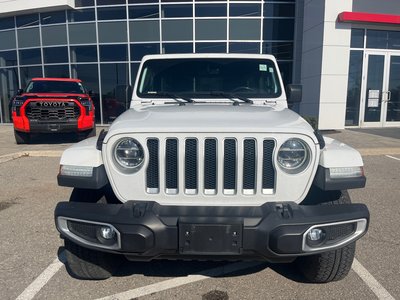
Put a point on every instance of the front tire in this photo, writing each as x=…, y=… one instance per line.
x=22, y=137
x=332, y=265
x=83, y=263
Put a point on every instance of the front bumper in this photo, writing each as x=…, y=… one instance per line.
x=276, y=232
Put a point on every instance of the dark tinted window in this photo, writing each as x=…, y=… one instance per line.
x=279, y=10
x=111, y=13
x=53, y=17
x=357, y=38
x=210, y=47
x=113, y=53
x=140, y=50
x=143, y=12
x=377, y=39
x=110, y=2
x=82, y=3
x=281, y=50
x=244, y=48
x=55, y=55
x=30, y=57
x=56, y=86
x=278, y=29
x=27, y=73
x=28, y=20
x=245, y=10
x=81, y=15
x=58, y=71
x=354, y=88
x=84, y=54
x=177, y=48
x=142, y=1
x=8, y=58
x=7, y=23
x=176, y=11
x=394, y=40
x=211, y=10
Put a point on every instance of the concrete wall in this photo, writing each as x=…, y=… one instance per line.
x=16, y=7
x=325, y=62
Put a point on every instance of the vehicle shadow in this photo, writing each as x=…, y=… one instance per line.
x=53, y=138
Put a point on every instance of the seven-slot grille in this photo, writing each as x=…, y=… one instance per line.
x=228, y=166
x=52, y=110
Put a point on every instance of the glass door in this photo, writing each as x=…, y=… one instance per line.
x=380, y=101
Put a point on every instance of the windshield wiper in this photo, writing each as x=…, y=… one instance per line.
x=178, y=98
x=231, y=97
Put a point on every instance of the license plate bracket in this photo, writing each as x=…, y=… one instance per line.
x=210, y=239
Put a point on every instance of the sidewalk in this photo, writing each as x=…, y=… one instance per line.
x=385, y=141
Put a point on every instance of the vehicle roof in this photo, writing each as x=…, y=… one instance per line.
x=210, y=55
x=56, y=79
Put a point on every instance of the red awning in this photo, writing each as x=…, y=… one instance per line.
x=361, y=17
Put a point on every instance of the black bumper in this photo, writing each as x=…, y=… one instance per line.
x=148, y=230
x=53, y=126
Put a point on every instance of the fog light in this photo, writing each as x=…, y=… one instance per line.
x=107, y=233
x=315, y=235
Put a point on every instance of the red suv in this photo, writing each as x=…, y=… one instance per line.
x=53, y=105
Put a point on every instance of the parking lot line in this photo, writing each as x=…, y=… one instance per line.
x=42, y=279
x=176, y=282
x=371, y=282
x=393, y=157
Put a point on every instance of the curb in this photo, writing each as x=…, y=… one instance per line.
x=13, y=156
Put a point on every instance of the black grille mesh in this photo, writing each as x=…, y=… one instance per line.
x=210, y=164
x=268, y=174
x=86, y=231
x=249, y=164
x=230, y=164
x=171, y=164
x=36, y=112
x=153, y=178
x=339, y=231
x=191, y=164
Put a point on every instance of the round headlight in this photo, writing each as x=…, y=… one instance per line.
x=293, y=156
x=129, y=154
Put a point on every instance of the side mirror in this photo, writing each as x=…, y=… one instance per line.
x=294, y=93
x=19, y=92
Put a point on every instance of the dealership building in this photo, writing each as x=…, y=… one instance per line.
x=345, y=53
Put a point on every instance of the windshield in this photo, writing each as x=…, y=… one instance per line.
x=202, y=77
x=47, y=86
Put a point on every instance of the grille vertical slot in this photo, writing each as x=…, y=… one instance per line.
x=171, y=166
x=249, y=166
x=191, y=167
x=268, y=172
x=153, y=176
x=210, y=166
x=230, y=168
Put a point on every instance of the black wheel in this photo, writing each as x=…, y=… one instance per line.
x=22, y=137
x=83, y=263
x=332, y=265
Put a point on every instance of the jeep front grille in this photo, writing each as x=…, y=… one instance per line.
x=210, y=166
x=36, y=110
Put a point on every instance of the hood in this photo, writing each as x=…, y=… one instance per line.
x=53, y=95
x=210, y=118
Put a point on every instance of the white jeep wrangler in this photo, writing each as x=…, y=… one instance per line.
x=209, y=163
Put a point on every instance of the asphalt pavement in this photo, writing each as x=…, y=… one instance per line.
x=31, y=253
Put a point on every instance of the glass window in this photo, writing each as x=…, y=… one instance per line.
x=377, y=39
x=27, y=73
x=30, y=57
x=357, y=38
x=177, y=48
x=83, y=53
x=54, y=35
x=112, y=32
x=28, y=20
x=55, y=55
x=7, y=23
x=58, y=71
x=142, y=1
x=211, y=47
x=8, y=58
x=244, y=48
x=140, y=50
x=113, y=53
x=244, y=10
x=89, y=75
x=198, y=77
x=375, y=77
x=8, y=88
x=278, y=29
x=177, y=30
x=207, y=29
x=82, y=33
x=53, y=17
x=110, y=2
x=211, y=10
x=144, y=31
x=244, y=29
x=143, y=12
x=82, y=3
x=111, y=13
x=279, y=10
x=81, y=15
x=286, y=68
x=394, y=40
x=115, y=90
x=281, y=50
x=176, y=11
x=7, y=39
x=28, y=37
x=354, y=88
